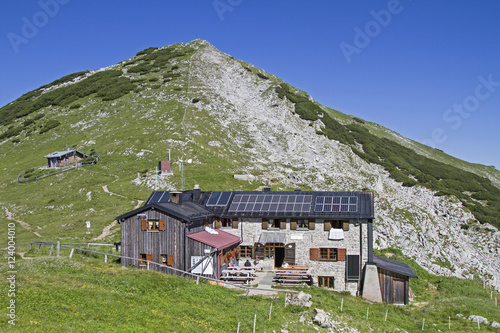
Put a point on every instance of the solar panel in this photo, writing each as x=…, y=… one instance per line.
x=270, y=203
x=159, y=197
x=343, y=204
x=214, y=197
x=224, y=198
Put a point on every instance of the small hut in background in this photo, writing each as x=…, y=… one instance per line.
x=60, y=159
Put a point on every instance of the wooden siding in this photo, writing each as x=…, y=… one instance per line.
x=171, y=241
x=394, y=287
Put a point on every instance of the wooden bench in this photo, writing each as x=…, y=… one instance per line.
x=297, y=276
x=238, y=275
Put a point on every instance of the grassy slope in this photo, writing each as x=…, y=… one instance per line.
x=84, y=294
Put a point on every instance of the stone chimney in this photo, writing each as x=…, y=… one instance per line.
x=196, y=193
x=176, y=198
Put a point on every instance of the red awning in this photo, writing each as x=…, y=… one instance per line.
x=220, y=241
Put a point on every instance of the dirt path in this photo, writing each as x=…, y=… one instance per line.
x=107, y=229
x=105, y=188
x=105, y=232
x=24, y=225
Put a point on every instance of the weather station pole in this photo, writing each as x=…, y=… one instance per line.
x=182, y=172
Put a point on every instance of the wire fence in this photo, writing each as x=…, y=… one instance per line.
x=58, y=245
x=21, y=178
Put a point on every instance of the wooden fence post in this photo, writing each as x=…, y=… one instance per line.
x=71, y=253
x=51, y=248
x=105, y=258
x=58, y=247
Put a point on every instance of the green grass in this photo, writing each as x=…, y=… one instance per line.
x=85, y=294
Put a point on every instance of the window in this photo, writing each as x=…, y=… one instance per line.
x=153, y=225
x=144, y=258
x=246, y=251
x=336, y=224
x=167, y=259
x=272, y=223
x=303, y=224
x=269, y=248
x=326, y=281
x=328, y=254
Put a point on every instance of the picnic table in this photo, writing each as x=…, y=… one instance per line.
x=293, y=275
x=245, y=274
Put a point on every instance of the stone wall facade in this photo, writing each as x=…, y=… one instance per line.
x=355, y=242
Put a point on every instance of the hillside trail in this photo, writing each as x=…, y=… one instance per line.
x=107, y=229
x=24, y=225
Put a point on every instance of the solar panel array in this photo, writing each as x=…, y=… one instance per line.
x=159, y=197
x=219, y=198
x=270, y=203
x=336, y=204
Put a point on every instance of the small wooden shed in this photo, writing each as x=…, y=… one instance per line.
x=63, y=158
x=394, y=278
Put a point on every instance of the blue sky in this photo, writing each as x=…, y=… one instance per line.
x=429, y=70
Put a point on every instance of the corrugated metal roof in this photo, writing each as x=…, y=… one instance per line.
x=394, y=266
x=63, y=153
x=220, y=241
x=272, y=237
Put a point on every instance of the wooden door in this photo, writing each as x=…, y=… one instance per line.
x=398, y=289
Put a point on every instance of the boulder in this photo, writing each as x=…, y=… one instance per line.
x=322, y=319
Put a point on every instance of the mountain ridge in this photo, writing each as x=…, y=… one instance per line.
x=228, y=117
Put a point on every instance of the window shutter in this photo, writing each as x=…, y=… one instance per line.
x=235, y=224
x=144, y=224
x=290, y=253
x=149, y=257
x=328, y=225
x=218, y=224
x=314, y=254
x=282, y=224
x=293, y=225
x=345, y=226
x=341, y=254
x=265, y=224
x=259, y=251
x=162, y=225
x=311, y=225
x=170, y=259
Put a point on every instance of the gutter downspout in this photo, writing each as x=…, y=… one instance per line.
x=370, y=241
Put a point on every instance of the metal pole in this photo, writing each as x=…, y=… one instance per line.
x=182, y=175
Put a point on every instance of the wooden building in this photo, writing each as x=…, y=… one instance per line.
x=60, y=159
x=198, y=231
x=175, y=234
x=394, y=278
